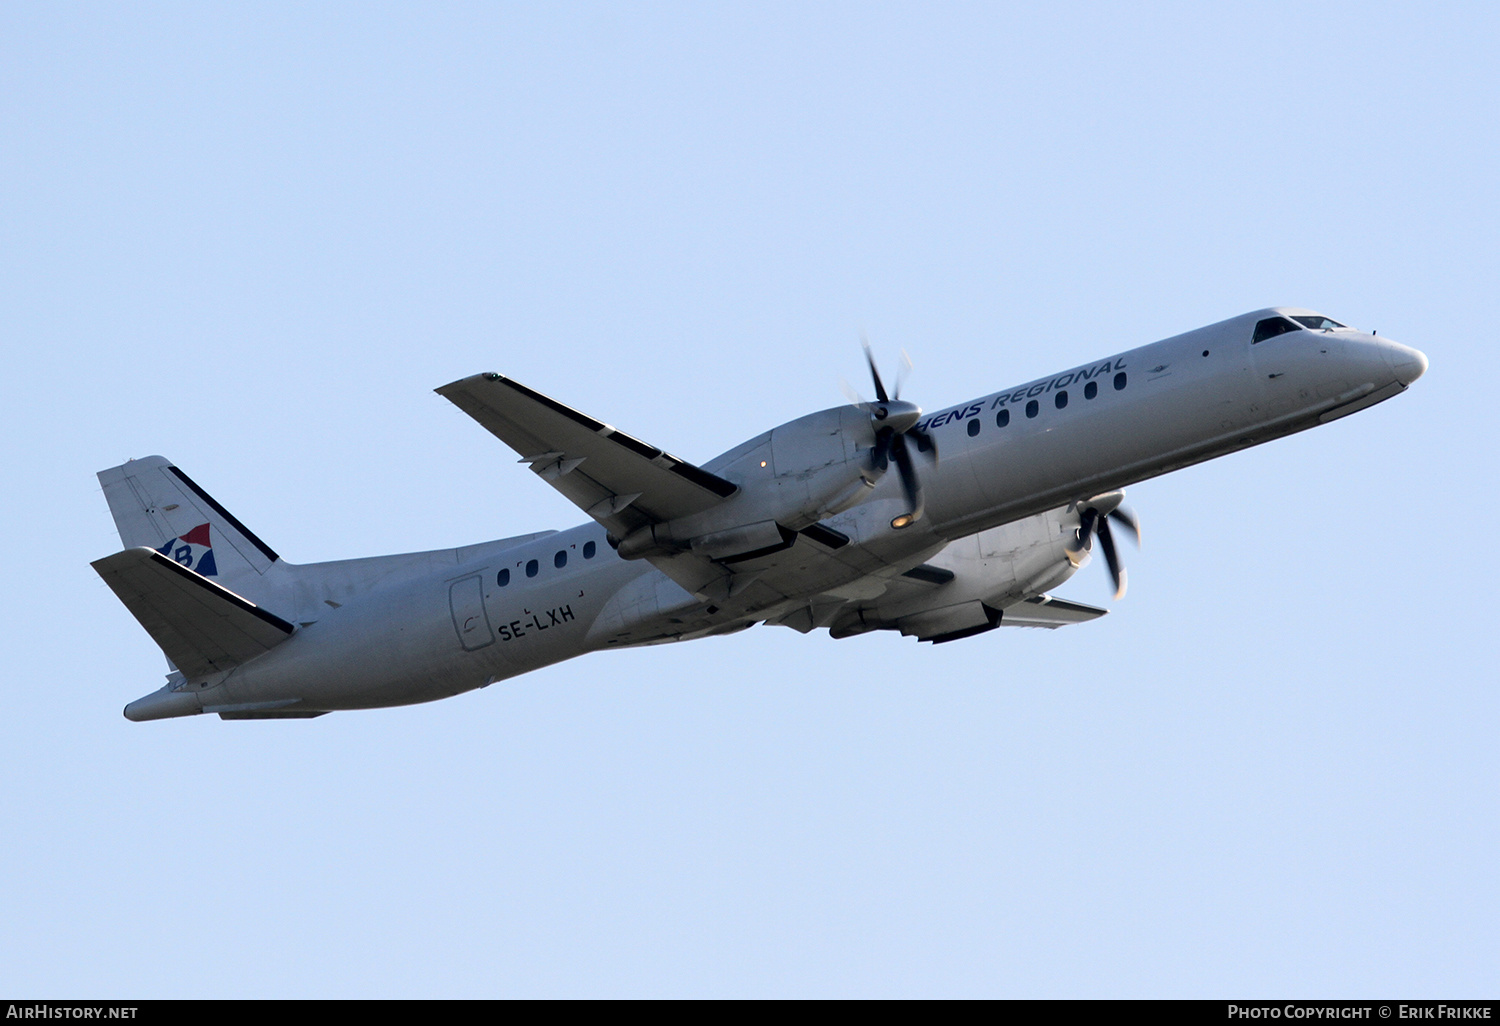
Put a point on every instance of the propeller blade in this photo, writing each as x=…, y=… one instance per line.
x=1112, y=559
x=852, y=394
x=880, y=392
x=924, y=441
x=1083, y=538
x=880, y=454
x=901, y=374
x=909, y=479
x=1127, y=519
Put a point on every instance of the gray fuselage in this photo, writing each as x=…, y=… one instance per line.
x=1002, y=457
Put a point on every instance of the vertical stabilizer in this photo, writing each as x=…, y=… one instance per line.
x=158, y=506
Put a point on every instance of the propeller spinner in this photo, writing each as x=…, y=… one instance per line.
x=894, y=421
x=1093, y=522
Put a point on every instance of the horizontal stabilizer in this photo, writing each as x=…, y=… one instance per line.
x=620, y=481
x=203, y=628
x=1046, y=611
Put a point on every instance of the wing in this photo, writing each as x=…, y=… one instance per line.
x=625, y=484
x=1046, y=611
x=202, y=627
x=620, y=481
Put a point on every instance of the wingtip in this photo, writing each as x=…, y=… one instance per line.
x=457, y=385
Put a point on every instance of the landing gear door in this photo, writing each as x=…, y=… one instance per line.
x=466, y=599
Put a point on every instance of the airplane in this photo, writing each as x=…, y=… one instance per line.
x=873, y=516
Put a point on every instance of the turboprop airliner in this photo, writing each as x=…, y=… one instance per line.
x=874, y=516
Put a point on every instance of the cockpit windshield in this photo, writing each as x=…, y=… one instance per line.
x=1271, y=327
x=1318, y=322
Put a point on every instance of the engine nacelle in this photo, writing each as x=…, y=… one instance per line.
x=990, y=571
x=789, y=479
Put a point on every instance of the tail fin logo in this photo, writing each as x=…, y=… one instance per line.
x=193, y=550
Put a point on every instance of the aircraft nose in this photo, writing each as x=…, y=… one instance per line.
x=1406, y=363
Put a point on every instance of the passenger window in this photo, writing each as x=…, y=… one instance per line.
x=924, y=442
x=1271, y=327
x=1091, y=389
x=531, y=568
x=1120, y=382
x=973, y=428
x=1002, y=418
x=588, y=550
x=1061, y=399
x=503, y=577
x=1032, y=408
x=561, y=559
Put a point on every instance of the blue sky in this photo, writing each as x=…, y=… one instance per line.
x=253, y=238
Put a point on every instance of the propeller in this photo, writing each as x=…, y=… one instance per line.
x=894, y=420
x=1093, y=522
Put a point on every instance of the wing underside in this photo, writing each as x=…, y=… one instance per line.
x=1046, y=611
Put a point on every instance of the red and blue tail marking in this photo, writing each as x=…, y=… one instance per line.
x=193, y=550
